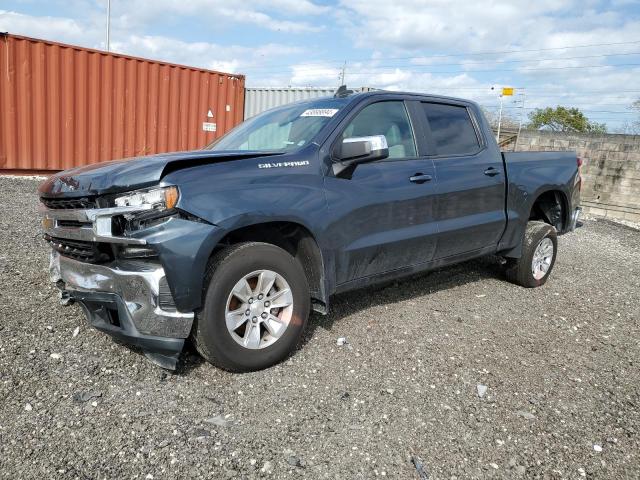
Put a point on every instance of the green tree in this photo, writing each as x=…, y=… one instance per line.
x=563, y=119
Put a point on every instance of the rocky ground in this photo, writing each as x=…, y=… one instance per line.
x=454, y=374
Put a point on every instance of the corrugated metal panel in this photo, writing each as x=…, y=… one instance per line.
x=63, y=106
x=257, y=100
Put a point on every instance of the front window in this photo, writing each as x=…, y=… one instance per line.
x=285, y=128
x=388, y=118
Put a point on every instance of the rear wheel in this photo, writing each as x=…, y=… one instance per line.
x=256, y=307
x=539, y=250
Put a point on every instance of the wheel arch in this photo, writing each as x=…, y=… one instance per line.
x=551, y=206
x=296, y=239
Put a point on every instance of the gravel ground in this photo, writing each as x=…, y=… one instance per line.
x=452, y=374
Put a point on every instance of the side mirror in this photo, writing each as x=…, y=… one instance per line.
x=357, y=150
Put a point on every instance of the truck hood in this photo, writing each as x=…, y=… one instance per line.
x=131, y=174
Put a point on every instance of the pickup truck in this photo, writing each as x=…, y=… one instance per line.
x=233, y=245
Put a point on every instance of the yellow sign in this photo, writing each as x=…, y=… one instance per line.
x=507, y=91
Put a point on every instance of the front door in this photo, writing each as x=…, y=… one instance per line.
x=385, y=210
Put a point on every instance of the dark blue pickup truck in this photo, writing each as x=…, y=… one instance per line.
x=233, y=245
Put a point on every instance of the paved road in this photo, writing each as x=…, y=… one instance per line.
x=560, y=365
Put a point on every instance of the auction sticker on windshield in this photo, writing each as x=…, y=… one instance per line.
x=319, y=112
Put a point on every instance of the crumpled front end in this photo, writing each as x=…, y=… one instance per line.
x=123, y=264
x=129, y=300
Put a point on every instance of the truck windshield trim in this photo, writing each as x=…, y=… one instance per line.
x=281, y=129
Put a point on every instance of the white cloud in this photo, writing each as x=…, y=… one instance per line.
x=262, y=13
x=62, y=29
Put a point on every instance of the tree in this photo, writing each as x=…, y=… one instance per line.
x=635, y=125
x=563, y=119
x=508, y=121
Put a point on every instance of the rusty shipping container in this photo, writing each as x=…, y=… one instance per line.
x=63, y=106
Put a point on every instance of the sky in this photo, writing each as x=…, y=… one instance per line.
x=576, y=53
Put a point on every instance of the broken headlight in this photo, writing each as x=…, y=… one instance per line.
x=158, y=198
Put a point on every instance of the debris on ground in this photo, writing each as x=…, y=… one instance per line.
x=481, y=389
x=527, y=415
x=420, y=468
x=85, y=396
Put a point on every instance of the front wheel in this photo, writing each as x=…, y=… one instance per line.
x=539, y=250
x=255, y=309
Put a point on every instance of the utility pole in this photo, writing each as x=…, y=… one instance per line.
x=342, y=74
x=499, y=121
x=108, y=23
x=515, y=147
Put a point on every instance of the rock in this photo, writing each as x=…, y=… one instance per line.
x=56, y=356
x=295, y=461
x=201, y=433
x=597, y=448
x=482, y=389
x=76, y=331
x=521, y=470
x=582, y=472
x=344, y=396
x=267, y=467
x=28, y=407
x=390, y=391
x=420, y=469
x=527, y=415
x=341, y=341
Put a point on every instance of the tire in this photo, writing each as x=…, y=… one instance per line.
x=520, y=271
x=236, y=350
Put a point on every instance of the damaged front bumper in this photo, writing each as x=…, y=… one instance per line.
x=128, y=299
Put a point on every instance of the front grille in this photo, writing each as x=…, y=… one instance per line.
x=69, y=203
x=90, y=252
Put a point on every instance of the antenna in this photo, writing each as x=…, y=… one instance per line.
x=342, y=92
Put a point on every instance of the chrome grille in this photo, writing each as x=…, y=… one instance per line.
x=68, y=203
x=90, y=252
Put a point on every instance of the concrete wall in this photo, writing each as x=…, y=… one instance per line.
x=611, y=169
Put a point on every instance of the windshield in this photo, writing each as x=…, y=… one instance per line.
x=285, y=128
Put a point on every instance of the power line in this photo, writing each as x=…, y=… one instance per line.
x=463, y=64
x=586, y=111
x=469, y=54
x=525, y=69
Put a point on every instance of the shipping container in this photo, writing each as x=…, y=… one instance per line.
x=257, y=100
x=63, y=106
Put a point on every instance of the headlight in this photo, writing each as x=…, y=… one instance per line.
x=159, y=198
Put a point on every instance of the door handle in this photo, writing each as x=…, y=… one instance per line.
x=420, y=178
x=492, y=172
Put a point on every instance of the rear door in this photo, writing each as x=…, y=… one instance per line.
x=471, y=190
x=383, y=211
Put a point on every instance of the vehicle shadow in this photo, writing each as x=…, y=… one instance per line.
x=346, y=304
x=412, y=287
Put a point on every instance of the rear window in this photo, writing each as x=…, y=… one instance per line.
x=452, y=130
